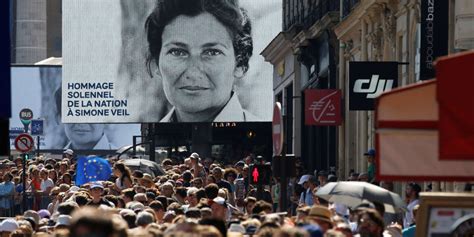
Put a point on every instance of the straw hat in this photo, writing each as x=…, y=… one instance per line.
x=320, y=213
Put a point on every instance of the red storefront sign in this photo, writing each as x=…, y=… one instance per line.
x=323, y=107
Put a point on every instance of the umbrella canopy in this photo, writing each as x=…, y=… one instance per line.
x=352, y=193
x=146, y=166
x=129, y=149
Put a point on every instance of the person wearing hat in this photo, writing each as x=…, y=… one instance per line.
x=322, y=216
x=370, y=154
x=219, y=208
x=239, y=166
x=147, y=181
x=322, y=178
x=68, y=153
x=7, y=226
x=96, y=192
x=302, y=213
x=309, y=183
x=63, y=222
x=197, y=168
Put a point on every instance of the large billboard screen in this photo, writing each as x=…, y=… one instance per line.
x=38, y=88
x=128, y=61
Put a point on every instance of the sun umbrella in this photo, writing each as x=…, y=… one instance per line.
x=352, y=194
x=146, y=166
x=129, y=149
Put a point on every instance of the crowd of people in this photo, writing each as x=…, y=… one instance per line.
x=195, y=197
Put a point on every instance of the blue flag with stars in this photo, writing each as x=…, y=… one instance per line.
x=92, y=168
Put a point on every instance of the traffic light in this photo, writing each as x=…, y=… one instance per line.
x=260, y=174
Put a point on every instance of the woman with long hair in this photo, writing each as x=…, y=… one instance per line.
x=124, y=177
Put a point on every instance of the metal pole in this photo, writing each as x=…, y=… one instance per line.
x=152, y=143
x=284, y=175
x=24, y=182
x=38, y=142
x=134, y=146
x=259, y=189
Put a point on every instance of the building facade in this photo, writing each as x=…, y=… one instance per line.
x=304, y=56
x=314, y=52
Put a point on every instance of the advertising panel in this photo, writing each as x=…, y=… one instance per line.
x=434, y=35
x=38, y=88
x=367, y=80
x=128, y=61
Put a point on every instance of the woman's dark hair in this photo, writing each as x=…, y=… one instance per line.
x=212, y=190
x=68, y=176
x=200, y=194
x=415, y=187
x=230, y=171
x=125, y=171
x=261, y=206
x=181, y=191
x=227, y=12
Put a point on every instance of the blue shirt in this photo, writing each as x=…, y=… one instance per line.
x=306, y=197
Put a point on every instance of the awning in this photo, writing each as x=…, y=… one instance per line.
x=409, y=132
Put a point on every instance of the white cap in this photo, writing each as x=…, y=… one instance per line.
x=63, y=220
x=237, y=228
x=195, y=155
x=304, y=179
x=74, y=189
x=220, y=201
x=8, y=225
x=69, y=152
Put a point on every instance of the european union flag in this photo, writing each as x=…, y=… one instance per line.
x=92, y=168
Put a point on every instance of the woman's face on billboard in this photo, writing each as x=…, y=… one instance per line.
x=84, y=135
x=197, y=64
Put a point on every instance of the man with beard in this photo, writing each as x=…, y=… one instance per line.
x=370, y=224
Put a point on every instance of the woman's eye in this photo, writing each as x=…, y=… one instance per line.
x=212, y=52
x=178, y=52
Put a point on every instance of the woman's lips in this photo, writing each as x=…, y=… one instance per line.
x=193, y=88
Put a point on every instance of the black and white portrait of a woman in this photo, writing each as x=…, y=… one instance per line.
x=174, y=60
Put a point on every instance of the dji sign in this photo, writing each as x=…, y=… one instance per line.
x=367, y=80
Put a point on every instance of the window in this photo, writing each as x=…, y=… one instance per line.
x=417, y=52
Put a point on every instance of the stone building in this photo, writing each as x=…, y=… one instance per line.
x=318, y=41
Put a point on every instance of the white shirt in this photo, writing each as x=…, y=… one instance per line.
x=45, y=184
x=408, y=219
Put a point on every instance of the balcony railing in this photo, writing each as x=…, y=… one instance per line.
x=304, y=13
x=347, y=6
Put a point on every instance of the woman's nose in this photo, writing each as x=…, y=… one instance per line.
x=195, y=68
